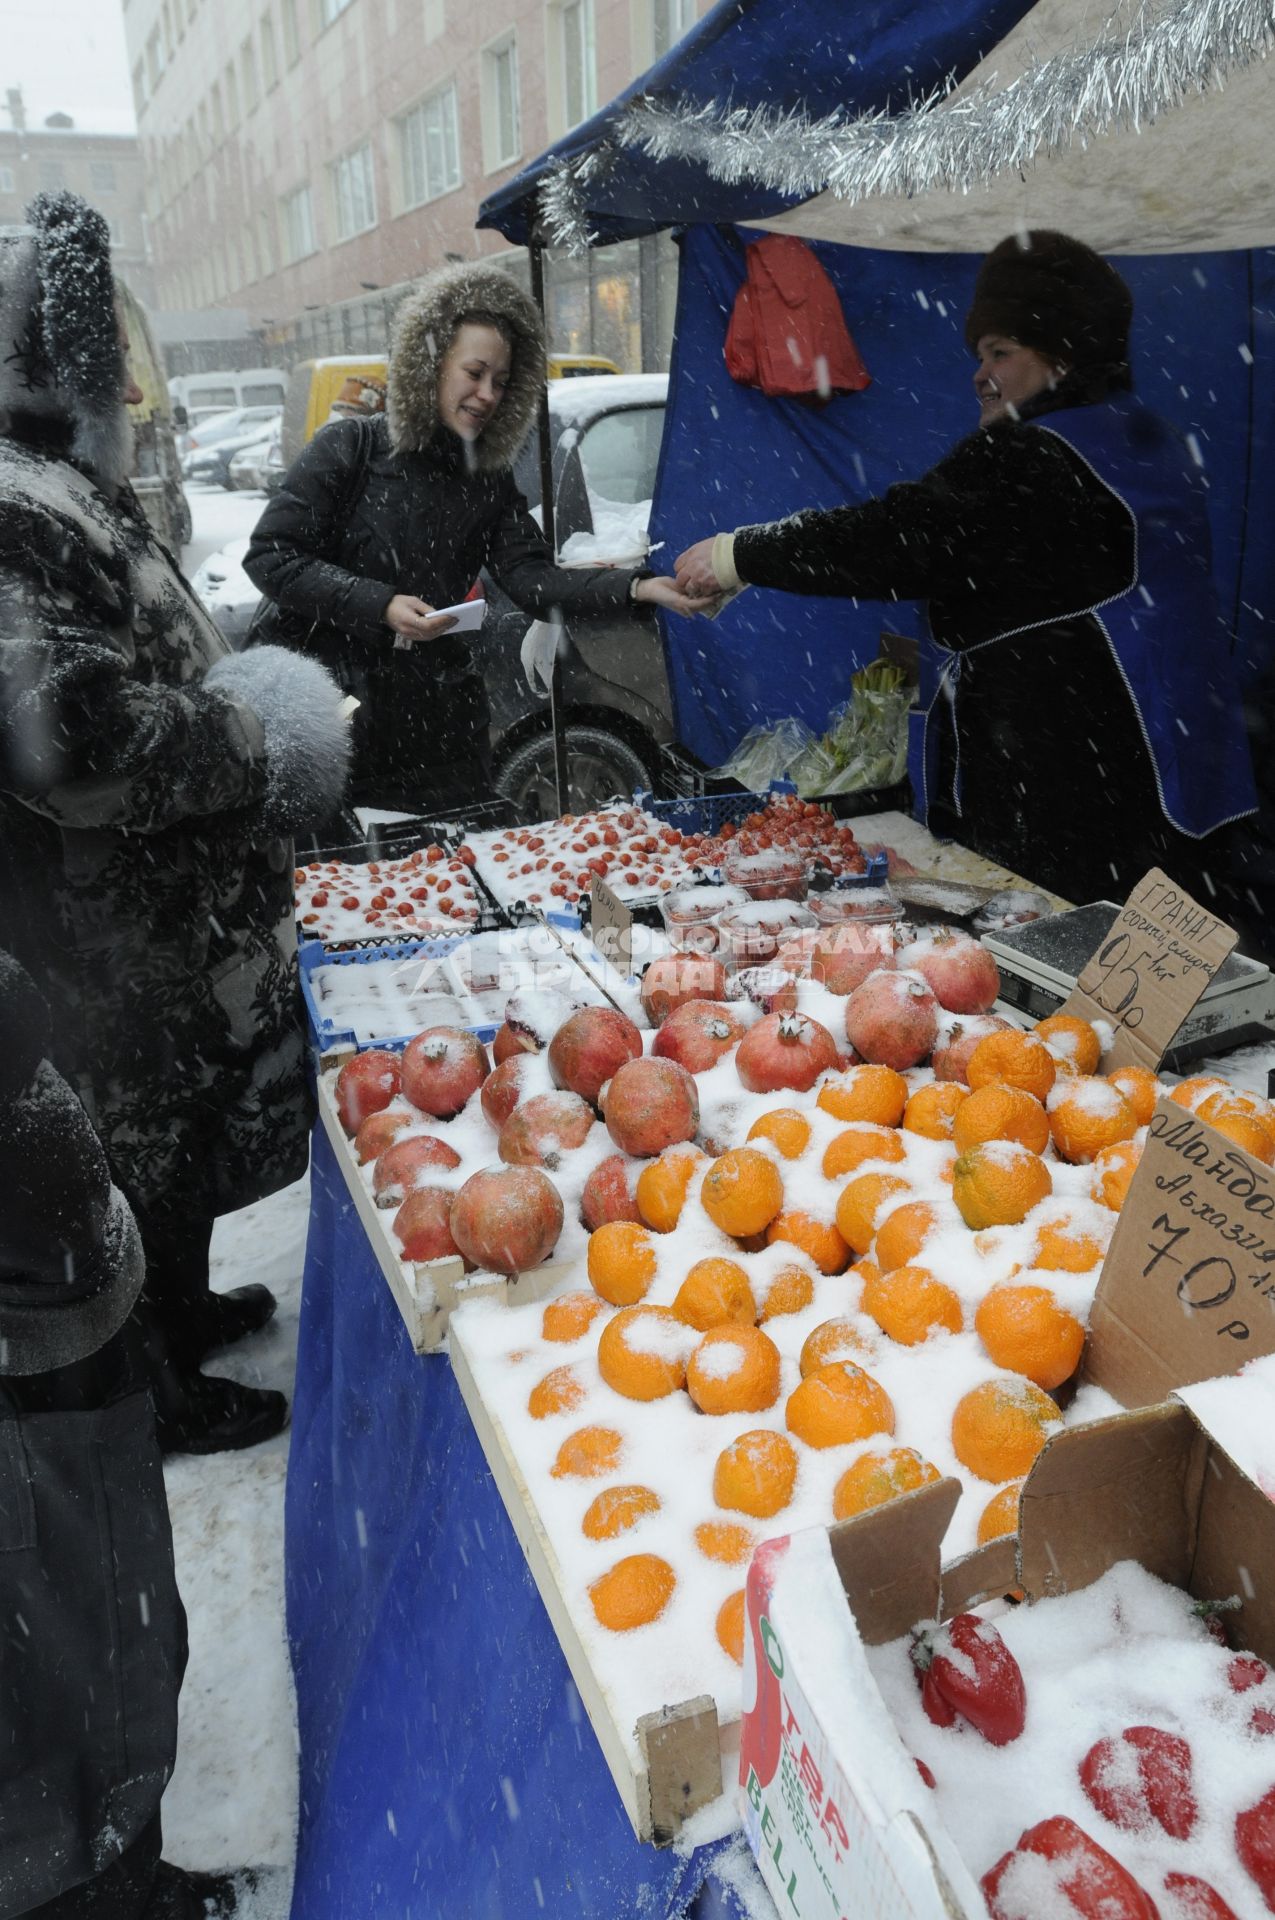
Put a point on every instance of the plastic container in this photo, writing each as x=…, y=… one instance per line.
x=691, y=916
x=772, y=874
x=755, y=933
x=860, y=906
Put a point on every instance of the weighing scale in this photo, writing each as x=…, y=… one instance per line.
x=1040, y=962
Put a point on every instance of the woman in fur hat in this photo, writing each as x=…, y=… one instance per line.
x=149, y=785
x=1082, y=722
x=377, y=525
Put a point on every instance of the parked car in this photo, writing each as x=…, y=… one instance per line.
x=247, y=467
x=606, y=433
x=209, y=459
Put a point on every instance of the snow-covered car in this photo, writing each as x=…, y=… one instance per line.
x=226, y=592
x=217, y=443
x=247, y=467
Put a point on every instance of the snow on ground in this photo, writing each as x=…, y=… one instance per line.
x=219, y=517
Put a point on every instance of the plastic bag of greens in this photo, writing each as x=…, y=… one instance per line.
x=868, y=740
x=766, y=753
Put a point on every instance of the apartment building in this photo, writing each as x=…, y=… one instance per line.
x=103, y=168
x=305, y=159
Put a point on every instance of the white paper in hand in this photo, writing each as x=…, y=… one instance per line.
x=469, y=615
x=539, y=651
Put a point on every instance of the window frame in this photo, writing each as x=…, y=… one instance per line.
x=402, y=125
x=495, y=159
x=287, y=201
x=340, y=177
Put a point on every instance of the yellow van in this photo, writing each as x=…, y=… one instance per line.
x=566, y=366
x=313, y=385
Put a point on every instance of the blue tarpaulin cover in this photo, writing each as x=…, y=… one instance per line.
x=448, y=1769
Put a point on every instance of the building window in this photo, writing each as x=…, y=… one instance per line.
x=429, y=143
x=297, y=216
x=670, y=19
x=139, y=89
x=102, y=175
x=154, y=60
x=232, y=95
x=7, y=182
x=354, y=193
x=502, y=132
x=248, y=75
x=269, y=55
x=218, y=116
x=265, y=238
x=579, y=82
x=329, y=9
x=291, y=35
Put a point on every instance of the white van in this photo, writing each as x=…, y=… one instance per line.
x=202, y=394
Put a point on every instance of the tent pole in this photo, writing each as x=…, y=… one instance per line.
x=561, y=769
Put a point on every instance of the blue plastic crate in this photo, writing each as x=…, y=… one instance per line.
x=709, y=813
x=325, y=1033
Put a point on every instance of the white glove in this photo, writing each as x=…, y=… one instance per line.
x=539, y=651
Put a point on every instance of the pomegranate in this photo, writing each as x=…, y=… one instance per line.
x=678, y=979
x=504, y=1087
x=589, y=1047
x=843, y=957
x=366, y=1085
x=953, y=1048
x=961, y=972
x=650, y=1105
x=394, y=1175
x=507, y=1218
x=442, y=1068
x=771, y=988
x=892, y=1019
x=540, y=1130
x=531, y=1020
x=423, y=1224
x=784, y=1050
x=697, y=1034
x=608, y=1193
x=380, y=1130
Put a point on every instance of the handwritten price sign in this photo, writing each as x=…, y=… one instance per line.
x=1159, y=956
x=1188, y=1286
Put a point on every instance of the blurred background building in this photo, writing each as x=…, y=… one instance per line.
x=105, y=168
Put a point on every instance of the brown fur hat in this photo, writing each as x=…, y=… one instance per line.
x=1057, y=295
x=423, y=331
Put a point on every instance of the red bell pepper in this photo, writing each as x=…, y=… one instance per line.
x=1193, y=1899
x=1076, y=1868
x=1141, y=1775
x=1255, y=1844
x=965, y=1668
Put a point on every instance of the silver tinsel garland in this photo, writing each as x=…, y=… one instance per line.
x=1111, y=86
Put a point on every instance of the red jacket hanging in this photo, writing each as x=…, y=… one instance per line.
x=787, y=334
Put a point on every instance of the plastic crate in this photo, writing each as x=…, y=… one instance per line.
x=326, y=1034
x=709, y=812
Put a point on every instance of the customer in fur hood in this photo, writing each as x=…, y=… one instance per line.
x=149, y=783
x=378, y=524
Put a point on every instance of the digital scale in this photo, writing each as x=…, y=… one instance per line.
x=1041, y=961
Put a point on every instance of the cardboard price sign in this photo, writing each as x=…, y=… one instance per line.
x=611, y=926
x=1161, y=952
x=1188, y=1285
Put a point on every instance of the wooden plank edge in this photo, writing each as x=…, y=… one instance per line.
x=682, y=1750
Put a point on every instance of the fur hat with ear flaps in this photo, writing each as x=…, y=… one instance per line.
x=60, y=356
x=423, y=330
x=1057, y=295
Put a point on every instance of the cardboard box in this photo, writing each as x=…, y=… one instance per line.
x=834, y=1808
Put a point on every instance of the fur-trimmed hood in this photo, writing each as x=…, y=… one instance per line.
x=60, y=358
x=423, y=329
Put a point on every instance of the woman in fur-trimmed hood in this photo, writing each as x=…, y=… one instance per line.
x=379, y=522
x=149, y=783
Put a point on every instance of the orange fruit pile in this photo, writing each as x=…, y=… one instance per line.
x=877, y=1477
x=1012, y=1059
x=997, y=1184
x=633, y=1592
x=871, y=1093
x=998, y=1112
x=621, y=1262
x=734, y=1370
x=909, y=1304
x=1025, y=1330
x=1087, y=1114
x=786, y=1128
x=836, y=1404
x=715, y=1293
x=661, y=1186
x=1073, y=1042
x=999, y=1428
x=742, y=1192
x=756, y=1473
x=641, y=1353
x=616, y=1509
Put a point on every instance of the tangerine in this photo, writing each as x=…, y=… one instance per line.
x=862, y=1142
x=867, y=1092
x=730, y=1627
x=878, y=1477
x=661, y=1186
x=1139, y=1087
x=838, y=1403
x=1000, y=1515
x=1073, y=1042
x=1062, y=1246
x=1190, y=1093
x=570, y=1316
x=587, y=1454
x=558, y=1392
x=791, y=1291
x=734, y=1370
x=1087, y=1114
x=998, y=1428
x=909, y=1305
x=818, y=1239
x=724, y=1540
x=756, y=1473
x=634, y=1592
x=642, y=1353
x=1025, y=1330
x=998, y=1184
x=997, y=1112
x=1238, y=1100
x=1014, y=1059
x=616, y=1509
x=714, y=1293
x=931, y=1110
x=1246, y=1132
x=621, y=1262
x=859, y=1203
x=786, y=1128
x=830, y=1341
x=742, y=1191
x=903, y=1233
x=1113, y=1169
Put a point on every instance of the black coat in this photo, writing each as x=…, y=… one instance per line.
x=330, y=554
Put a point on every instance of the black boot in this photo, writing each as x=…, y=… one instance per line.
x=219, y=1319
x=180, y=1894
x=198, y=1413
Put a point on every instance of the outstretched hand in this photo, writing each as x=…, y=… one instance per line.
x=658, y=590
x=413, y=619
x=695, y=573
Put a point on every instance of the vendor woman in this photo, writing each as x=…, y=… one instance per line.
x=379, y=523
x=1081, y=719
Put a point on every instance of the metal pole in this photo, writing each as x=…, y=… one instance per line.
x=561, y=765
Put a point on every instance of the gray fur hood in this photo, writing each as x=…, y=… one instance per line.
x=423, y=328
x=60, y=357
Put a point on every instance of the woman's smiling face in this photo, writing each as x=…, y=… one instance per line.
x=472, y=379
x=1009, y=374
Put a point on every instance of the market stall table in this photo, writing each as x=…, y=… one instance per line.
x=447, y=1766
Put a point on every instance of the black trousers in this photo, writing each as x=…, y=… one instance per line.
x=123, y=1892
x=177, y=1250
